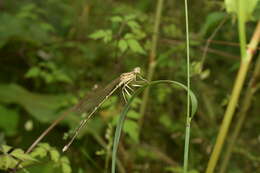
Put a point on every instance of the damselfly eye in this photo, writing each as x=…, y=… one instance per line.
x=137, y=70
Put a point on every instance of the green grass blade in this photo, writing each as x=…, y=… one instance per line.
x=194, y=105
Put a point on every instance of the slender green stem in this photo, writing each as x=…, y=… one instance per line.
x=245, y=62
x=188, y=119
x=122, y=117
x=152, y=56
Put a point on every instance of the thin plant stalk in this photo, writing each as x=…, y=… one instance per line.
x=251, y=89
x=152, y=58
x=243, y=69
x=210, y=39
x=188, y=118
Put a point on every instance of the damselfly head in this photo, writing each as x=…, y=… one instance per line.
x=137, y=70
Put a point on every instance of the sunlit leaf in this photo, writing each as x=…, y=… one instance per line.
x=135, y=46
x=98, y=34
x=122, y=44
x=133, y=24
x=247, y=7
x=18, y=153
x=33, y=72
x=55, y=155
x=116, y=19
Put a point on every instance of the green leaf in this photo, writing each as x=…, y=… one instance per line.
x=108, y=37
x=39, y=152
x=98, y=34
x=133, y=25
x=64, y=160
x=247, y=7
x=66, y=168
x=116, y=19
x=18, y=153
x=7, y=162
x=128, y=36
x=5, y=148
x=46, y=146
x=122, y=44
x=65, y=165
x=132, y=129
x=33, y=72
x=43, y=107
x=134, y=115
x=8, y=120
x=130, y=17
x=135, y=46
x=55, y=155
x=212, y=20
x=61, y=77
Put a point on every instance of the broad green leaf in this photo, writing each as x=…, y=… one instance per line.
x=8, y=120
x=133, y=25
x=55, y=155
x=256, y=14
x=122, y=44
x=247, y=7
x=5, y=148
x=129, y=36
x=66, y=168
x=64, y=160
x=41, y=106
x=65, y=165
x=33, y=72
x=135, y=46
x=116, y=19
x=61, y=77
x=130, y=17
x=18, y=153
x=39, y=152
x=98, y=34
x=108, y=37
x=7, y=162
x=139, y=34
x=212, y=20
x=46, y=146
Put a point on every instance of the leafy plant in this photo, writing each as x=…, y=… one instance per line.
x=10, y=158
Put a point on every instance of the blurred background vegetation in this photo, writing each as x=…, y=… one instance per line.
x=52, y=52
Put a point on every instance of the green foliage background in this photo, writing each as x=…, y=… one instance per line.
x=52, y=52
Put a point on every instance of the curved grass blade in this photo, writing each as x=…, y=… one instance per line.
x=194, y=105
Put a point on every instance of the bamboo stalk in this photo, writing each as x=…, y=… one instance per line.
x=245, y=62
x=252, y=88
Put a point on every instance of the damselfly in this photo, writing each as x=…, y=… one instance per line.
x=125, y=82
